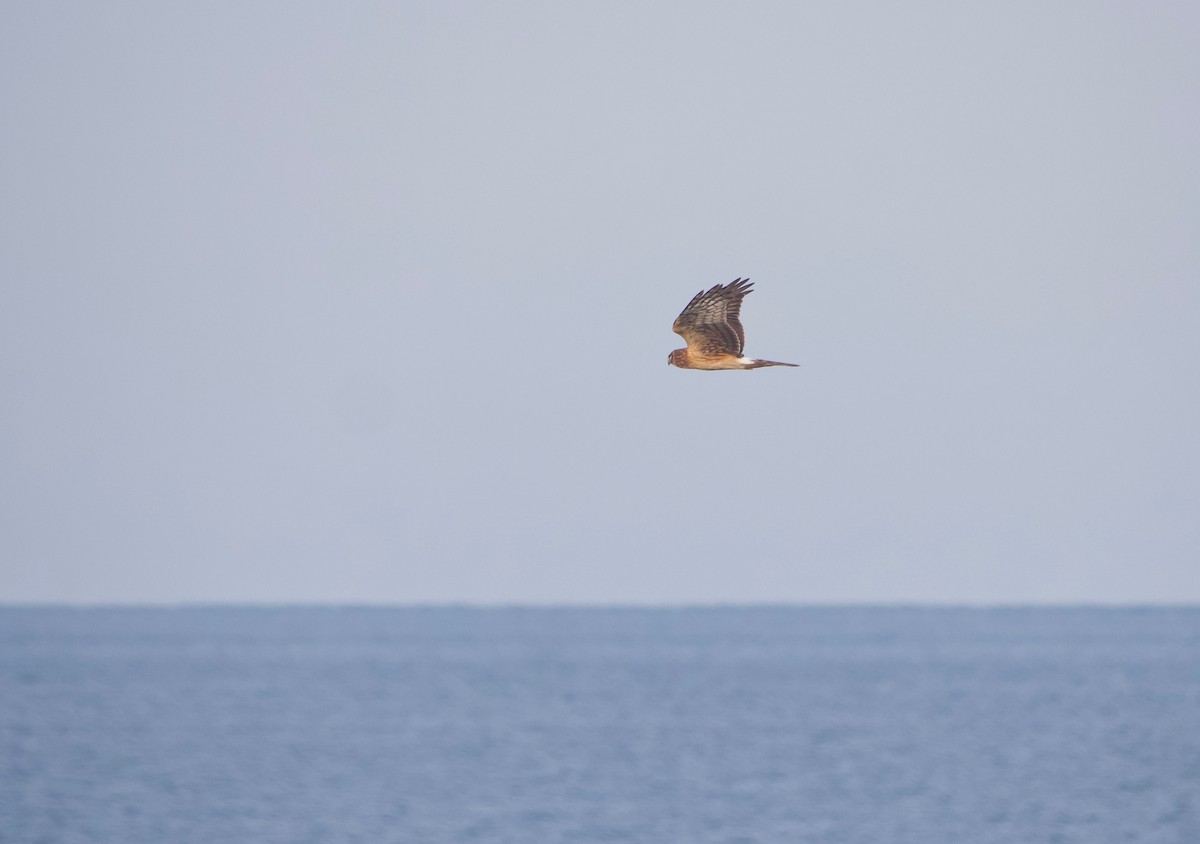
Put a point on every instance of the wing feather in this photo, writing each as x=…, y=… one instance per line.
x=711, y=322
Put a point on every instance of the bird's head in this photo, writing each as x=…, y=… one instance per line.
x=676, y=357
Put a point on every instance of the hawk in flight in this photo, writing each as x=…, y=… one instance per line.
x=713, y=332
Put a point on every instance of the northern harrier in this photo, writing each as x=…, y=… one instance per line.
x=713, y=332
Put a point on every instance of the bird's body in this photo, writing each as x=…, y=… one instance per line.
x=684, y=359
x=712, y=327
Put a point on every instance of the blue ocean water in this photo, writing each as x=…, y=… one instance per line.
x=846, y=725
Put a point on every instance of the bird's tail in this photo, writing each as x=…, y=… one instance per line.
x=757, y=363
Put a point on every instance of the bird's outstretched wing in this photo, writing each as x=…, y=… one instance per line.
x=710, y=322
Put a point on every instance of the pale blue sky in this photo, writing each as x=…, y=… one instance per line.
x=372, y=302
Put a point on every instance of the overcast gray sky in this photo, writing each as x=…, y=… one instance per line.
x=372, y=302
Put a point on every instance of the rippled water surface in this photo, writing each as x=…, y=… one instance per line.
x=848, y=725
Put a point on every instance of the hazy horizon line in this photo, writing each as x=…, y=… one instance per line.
x=568, y=605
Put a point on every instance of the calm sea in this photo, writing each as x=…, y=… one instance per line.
x=847, y=725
